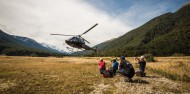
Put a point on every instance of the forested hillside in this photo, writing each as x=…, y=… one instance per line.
x=164, y=35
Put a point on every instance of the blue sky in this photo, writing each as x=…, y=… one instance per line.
x=37, y=19
x=136, y=12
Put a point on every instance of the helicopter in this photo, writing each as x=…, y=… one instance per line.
x=77, y=41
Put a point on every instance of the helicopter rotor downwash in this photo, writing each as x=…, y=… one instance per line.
x=77, y=41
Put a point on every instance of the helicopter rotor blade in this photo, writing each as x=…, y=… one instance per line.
x=62, y=35
x=89, y=29
x=85, y=40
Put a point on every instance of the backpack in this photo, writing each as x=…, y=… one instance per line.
x=129, y=65
x=106, y=73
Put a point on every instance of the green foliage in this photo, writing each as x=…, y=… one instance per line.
x=177, y=54
x=33, y=55
x=149, y=58
x=22, y=51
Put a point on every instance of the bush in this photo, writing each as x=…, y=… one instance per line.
x=177, y=54
x=149, y=58
x=33, y=55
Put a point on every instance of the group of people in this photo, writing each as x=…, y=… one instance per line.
x=124, y=68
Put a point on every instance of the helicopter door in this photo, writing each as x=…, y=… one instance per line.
x=81, y=41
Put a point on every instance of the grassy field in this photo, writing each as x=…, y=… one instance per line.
x=80, y=75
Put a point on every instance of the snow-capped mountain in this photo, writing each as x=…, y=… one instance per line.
x=34, y=44
x=51, y=47
x=13, y=41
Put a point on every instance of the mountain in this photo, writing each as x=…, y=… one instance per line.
x=30, y=43
x=53, y=48
x=164, y=35
x=14, y=44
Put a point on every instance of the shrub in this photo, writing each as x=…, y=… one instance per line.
x=149, y=58
x=33, y=55
x=177, y=54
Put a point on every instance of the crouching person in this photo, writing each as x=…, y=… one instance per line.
x=126, y=69
x=114, y=66
x=102, y=67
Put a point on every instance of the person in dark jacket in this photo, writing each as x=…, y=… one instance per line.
x=142, y=65
x=126, y=69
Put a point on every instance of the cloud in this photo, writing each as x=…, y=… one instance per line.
x=135, y=13
x=139, y=13
x=38, y=19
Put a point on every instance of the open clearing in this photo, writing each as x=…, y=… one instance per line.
x=80, y=75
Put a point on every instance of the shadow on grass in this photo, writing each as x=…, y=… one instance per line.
x=140, y=81
x=152, y=77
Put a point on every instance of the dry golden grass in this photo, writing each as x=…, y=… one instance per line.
x=174, y=68
x=177, y=68
x=47, y=75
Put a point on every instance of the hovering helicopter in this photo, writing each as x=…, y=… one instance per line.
x=77, y=41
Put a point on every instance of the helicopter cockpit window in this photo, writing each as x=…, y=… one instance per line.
x=71, y=39
x=74, y=39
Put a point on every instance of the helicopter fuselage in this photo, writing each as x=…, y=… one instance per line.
x=78, y=42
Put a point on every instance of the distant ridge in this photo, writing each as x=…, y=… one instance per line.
x=164, y=35
x=17, y=45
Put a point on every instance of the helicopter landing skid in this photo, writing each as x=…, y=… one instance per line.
x=71, y=49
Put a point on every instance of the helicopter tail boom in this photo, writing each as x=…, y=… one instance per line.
x=62, y=35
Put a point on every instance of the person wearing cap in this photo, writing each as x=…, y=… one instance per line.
x=142, y=65
x=102, y=65
x=114, y=66
x=126, y=69
x=102, y=68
